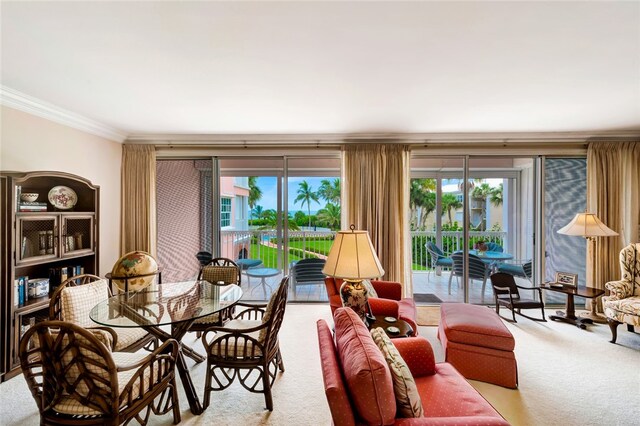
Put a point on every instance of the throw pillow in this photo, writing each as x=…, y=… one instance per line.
x=404, y=386
x=371, y=291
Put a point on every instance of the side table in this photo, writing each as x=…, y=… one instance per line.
x=569, y=316
x=405, y=329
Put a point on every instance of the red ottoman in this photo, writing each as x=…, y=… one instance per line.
x=478, y=344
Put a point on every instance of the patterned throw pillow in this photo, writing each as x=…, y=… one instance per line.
x=404, y=386
x=371, y=291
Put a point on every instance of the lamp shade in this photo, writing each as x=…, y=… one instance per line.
x=587, y=225
x=352, y=257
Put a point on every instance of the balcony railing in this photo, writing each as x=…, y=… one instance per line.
x=263, y=245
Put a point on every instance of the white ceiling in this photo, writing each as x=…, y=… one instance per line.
x=330, y=67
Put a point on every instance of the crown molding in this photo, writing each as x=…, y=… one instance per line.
x=407, y=138
x=20, y=101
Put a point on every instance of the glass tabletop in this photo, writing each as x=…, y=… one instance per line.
x=262, y=272
x=165, y=304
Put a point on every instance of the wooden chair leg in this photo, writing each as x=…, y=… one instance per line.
x=266, y=382
x=613, y=325
x=630, y=328
x=543, y=318
x=207, y=387
x=513, y=314
x=176, y=405
x=280, y=361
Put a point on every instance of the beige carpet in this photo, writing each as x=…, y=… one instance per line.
x=567, y=377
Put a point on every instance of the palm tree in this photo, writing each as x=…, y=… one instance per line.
x=255, y=193
x=496, y=196
x=421, y=200
x=330, y=191
x=450, y=202
x=305, y=196
x=271, y=220
x=257, y=211
x=330, y=216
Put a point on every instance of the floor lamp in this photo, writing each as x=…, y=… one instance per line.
x=588, y=225
x=353, y=258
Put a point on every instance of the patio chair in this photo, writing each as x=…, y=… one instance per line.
x=438, y=259
x=306, y=272
x=478, y=270
x=247, y=348
x=505, y=291
x=521, y=268
x=73, y=300
x=76, y=380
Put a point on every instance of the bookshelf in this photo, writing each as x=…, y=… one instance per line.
x=41, y=241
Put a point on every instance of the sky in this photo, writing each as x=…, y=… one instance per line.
x=268, y=185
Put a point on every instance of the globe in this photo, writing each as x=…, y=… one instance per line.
x=134, y=264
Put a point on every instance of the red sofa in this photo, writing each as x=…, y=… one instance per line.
x=389, y=302
x=359, y=388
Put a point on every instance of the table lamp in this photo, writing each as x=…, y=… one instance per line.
x=588, y=225
x=352, y=258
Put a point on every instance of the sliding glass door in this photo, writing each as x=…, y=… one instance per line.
x=464, y=232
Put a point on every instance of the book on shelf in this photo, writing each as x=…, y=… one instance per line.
x=25, y=206
x=22, y=295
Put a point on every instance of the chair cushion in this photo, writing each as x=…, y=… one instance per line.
x=408, y=401
x=444, y=261
x=365, y=370
x=77, y=301
x=623, y=310
x=226, y=274
x=128, y=336
x=230, y=350
x=209, y=319
x=512, y=269
x=475, y=325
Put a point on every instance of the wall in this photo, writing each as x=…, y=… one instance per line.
x=30, y=143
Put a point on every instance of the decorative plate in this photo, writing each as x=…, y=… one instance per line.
x=393, y=330
x=390, y=319
x=62, y=197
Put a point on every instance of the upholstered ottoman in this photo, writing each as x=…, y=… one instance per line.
x=478, y=344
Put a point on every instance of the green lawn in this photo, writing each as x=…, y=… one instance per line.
x=268, y=255
x=322, y=246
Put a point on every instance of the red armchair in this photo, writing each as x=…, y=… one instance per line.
x=389, y=302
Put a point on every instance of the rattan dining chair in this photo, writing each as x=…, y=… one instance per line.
x=76, y=380
x=222, y=271
x=75, y=297
x=247, y=347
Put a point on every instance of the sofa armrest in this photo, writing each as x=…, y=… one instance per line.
x=384, y=307
x=619, y=289
x=332, y=287
x=418, y=354
x=387, y=289
x=452, y=421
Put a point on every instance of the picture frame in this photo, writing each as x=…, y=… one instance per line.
x=566, y=278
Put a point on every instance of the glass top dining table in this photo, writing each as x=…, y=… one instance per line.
x=165, y=304
x=491, y=256
x=175, y=304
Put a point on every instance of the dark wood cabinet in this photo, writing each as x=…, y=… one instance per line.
x=37, y=241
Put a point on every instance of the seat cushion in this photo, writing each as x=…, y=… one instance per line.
x=445, y=261
x=128, y=336
x=448, y=394
x=475, y=325
x=512, y=269
x=245, y=348
x=404, y=386
x=365, y=370
x=623, y=310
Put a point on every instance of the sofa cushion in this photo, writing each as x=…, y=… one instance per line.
x=475, y=325
x=448, y=394
x=365, y=370
x=623, y=310
x=407, y=397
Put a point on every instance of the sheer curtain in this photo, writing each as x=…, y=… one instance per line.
x=613, y=194
x=376, y=199
x=138, y=217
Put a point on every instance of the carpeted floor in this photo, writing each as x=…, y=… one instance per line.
x=567, y=376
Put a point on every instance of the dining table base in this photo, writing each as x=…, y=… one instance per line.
x=177, y=332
